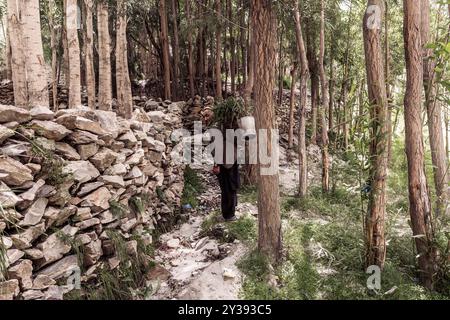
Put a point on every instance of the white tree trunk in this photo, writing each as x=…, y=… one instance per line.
x=124, y=96
x=74, y=54
x=104, y=53
x=35, y=65
x=17, y=54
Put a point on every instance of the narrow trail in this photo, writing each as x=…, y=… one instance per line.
x=195, y=266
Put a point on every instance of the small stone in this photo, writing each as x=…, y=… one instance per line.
x=87, y=150
x=8, y=198
x=115, y=181
x=35, y=213
x=55, y=247
x=82, y=171
x=23, y=240
x=173, y=243
x=83, y=225
x=67, y=151
x=104, y=159
x=89, y=187
x=34, y=254
x=14, y=173
x=42, y=282
x=54, y=293
x=98, y=200
x=14, y=255
x=5, y=133
x=61, y=268
x=118, y=169
x=9, y=289
x=83, y=137
x=32, y=295
x=22, y=272
x=228, y=273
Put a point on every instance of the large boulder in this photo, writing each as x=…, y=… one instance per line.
x=23, y=272
x=56, y=245
x=49, y=129
x=8, y=198
x=73, y=122
x=9, y=289
x=5, y=133
x=35, y=213
x=13, y=114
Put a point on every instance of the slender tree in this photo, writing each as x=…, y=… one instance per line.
x=292, y=106
x=218, y=64
x=378, y=103
x=35, y=64
x=190, y=50
x=434, y=112
x=74, y=54
x=104, y=57
x=19, y=76
x=164, y=38
x=264, y=31
x=176, y=47
x=304, y=75
x=89, y=52
x=325, y=102
x=123, y=84
x=419, y=199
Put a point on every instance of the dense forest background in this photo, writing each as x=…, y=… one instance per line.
x=363, y=84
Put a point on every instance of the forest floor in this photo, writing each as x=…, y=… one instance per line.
x=322, y=235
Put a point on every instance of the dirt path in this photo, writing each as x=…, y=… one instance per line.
x=195, y=266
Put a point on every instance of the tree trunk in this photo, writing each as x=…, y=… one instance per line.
x=242, y=31
x=264, y=29
x=18, y=65
x=104, y=60
x=387, y=70
x=89, y=53
x=325, y=102
x=123, y=84
x=304, y=75
x=331, y=104
x=315, y=81
x=280, y=68
x=375, y=219
x=232, y=49
x=176, y=48
x=218, y=63
x=190, y=51
x=292, y=107
x=35, y=64
x=74, y=54
x=54, y=48
x=165, y=48
x=419, y=199
x=434, y=111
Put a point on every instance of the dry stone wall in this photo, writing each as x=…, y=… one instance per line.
x=68, y=178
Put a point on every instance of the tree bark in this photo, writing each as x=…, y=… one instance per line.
x=379, y=131
x=165, y=48
x=304, y=75
x=325, y=102
x=232, y=49
x=292, y=106
x=89, y=53
x=17, y=54
x=123, y=83
x=176, y=48
x=104, y=60
x=218, y=64
x=74, y=54
x=434, y=112
x=419, y=199
x=35, y=64
x=190, y=50
x=54, y=48
x=264, y=24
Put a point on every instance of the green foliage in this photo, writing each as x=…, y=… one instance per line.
x=227, y=112
x=248, y=194
x=193, y=187
x=243, y=229
x=117, y=209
